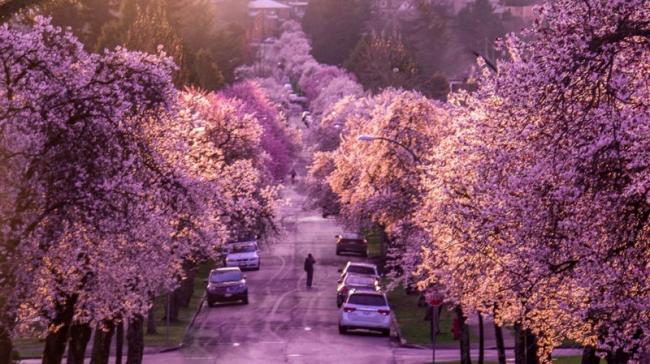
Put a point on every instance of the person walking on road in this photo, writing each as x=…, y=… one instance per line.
x=293, y=175
x=309, y=268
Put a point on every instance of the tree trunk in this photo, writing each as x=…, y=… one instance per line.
x=151, y=321
x=520, y=345
x=79, y=337
x=501, y=348
x=187, y=285
x=589, y=356
x=531, y=347
x=119, y=342
x=481, y=340
x=102, y=343
x=58, y=331
x=173, y=305
x=618, y=357
x=135, y=341
x=465, y=357
x=6, y=345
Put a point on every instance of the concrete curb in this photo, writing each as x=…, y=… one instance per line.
x=191, y=325
x=398, y=333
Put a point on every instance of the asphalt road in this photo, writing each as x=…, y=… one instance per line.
x=285, y=322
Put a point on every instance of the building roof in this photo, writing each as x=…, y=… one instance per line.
x=266, y=4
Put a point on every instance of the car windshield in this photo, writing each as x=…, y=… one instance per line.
x=243, y=249
x=367, y=300
x=225, y=276
x=360, y=281
x=351, y=236
x=359, y=269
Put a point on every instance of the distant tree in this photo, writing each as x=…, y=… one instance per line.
x=206, y=73
x=380, y=60
x=478, y=27
x=428, y=34
x=335, y=27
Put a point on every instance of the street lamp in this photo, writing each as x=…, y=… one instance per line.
x=371, y=138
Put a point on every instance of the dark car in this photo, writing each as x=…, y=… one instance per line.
x=351, y=243
x=226, y=285
x=353, y=281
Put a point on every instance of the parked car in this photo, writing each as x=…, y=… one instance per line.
x=359, y=268
x=244, y=256
x=225, y=285
x=354, y=281
x=365, y=309
x=351, y=243
x=233, y=243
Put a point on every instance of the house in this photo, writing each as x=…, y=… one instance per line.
x=267, y=17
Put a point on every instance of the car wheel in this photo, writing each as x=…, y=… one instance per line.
x=258, y=266
x=245, y=300
x=338, y=252
x=385, y=332
x=343, y=330
x=339, y=302
x=210, y=304
x=365, y=254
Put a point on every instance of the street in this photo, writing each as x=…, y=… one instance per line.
x=285, y=321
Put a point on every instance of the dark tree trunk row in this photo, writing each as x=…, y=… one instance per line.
x=79, y=337
x=525, y=346
x=119, y=342
x=102, y=343
x=59, y=331
x=151, y=322
x=589, y=356
x=481, y=340
x=617, y=357
x=531, y=347
x=6, y=345
x=135, y=339
x=465, y=357
x=501, y=347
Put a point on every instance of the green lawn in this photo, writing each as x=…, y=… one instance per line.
x=33, y=347
x=411, y=321
x=177, y=329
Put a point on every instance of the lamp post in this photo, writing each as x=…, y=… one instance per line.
x=371, y=138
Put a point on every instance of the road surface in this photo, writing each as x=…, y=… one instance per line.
x=285, y=322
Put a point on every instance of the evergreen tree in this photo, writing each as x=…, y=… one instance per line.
x=381, y=60
x=479, y=27
x=335, y=27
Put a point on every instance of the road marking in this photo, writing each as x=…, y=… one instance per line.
x=235, y=344
x=294, y=355
x=307, y=328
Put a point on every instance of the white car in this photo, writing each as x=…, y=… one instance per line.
x=365, y=309
x=244, y=256
x=359, y=268
x=231, y=244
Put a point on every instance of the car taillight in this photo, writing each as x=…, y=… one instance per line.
x=384, y=312
x=349, y=309
x=345, y=290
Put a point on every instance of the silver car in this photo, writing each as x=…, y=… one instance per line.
x=365, y=309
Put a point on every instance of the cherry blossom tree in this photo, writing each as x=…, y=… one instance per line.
x=70, y=151
x=110, y=184
x=277, y=140
x=543, y=188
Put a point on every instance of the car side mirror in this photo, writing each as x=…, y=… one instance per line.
x=337, y=236
x=244, y=276
x=340, y=270
x=205, y=281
